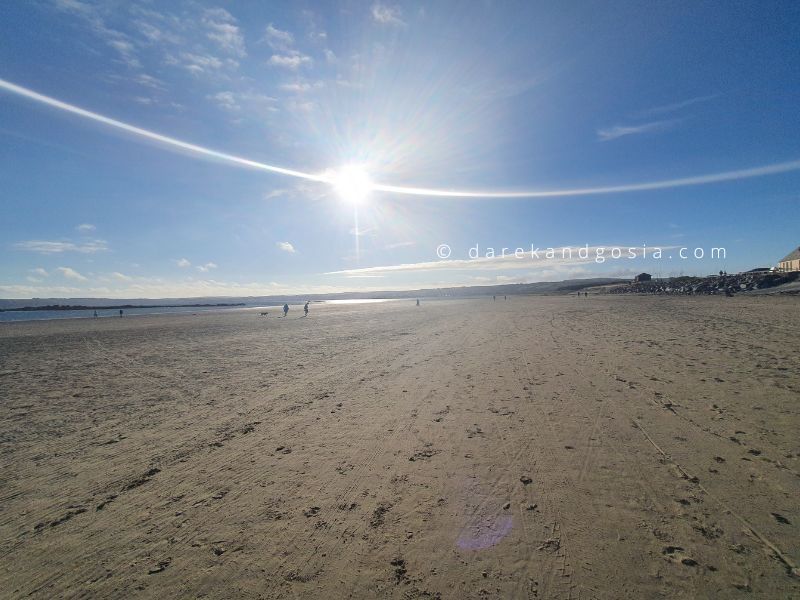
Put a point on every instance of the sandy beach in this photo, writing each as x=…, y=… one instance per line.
x=539, y=447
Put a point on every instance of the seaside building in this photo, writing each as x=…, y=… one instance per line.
x=790, y=262
x=642, y=277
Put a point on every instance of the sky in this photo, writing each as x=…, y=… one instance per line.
x=180, y=149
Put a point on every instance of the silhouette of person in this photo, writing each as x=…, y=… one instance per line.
x=120, y=313
x=305, y=309
x=417, y=301
x=285, y=309
x=95, y=314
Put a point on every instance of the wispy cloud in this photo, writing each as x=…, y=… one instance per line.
x=286, y=247
x=388, y=15
x=277, y=193
x=199, y=64
x=299, y=106
x=149, y=81
x=121, y=276
x=223, y=31
x=206, y=267
x=154, y=34
x=94, y=19
x=291, y=60
x=40, y=272
x=71, y=273
x=254, y=102
x=278, y=39
x=302, y=87
x=399, y=245
x=85, y=227
x=183, y=263
x=57, y=247
x=226, y=100
x=560, y=257
x=668, y=108
x=618, y=131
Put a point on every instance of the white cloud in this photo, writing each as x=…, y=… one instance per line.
x=50, y=247
x=70, y=273
x=299, y=106
x=286, y=247
x=40, y=272
x=92, y=16
x=329, y=55
x=226, y=100
x=251, y=101
x=155, y=35
x=198, y=64
x=206, y=267
x=667, y=108
x=276, y=193
x=302, y=87
x=560, y=258
x=278, y=39
x=183, y=263
x=388, y=15
x=291, y=60
x=85, y=227
x=618, y=131
x=121, y=276
x=223, y=31
x=149, y=81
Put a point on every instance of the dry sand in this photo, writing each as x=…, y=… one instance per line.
x=530, y=448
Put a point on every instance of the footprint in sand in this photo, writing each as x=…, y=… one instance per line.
x=676, y=554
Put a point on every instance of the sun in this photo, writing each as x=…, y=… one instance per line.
x=351, y=183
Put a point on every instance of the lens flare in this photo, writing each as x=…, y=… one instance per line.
x=352, y=184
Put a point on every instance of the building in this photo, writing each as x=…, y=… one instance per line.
x=790, y=262
x=642, y=277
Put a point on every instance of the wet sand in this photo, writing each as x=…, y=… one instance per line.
x=542, y=447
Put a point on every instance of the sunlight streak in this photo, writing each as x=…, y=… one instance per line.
x=361, y=185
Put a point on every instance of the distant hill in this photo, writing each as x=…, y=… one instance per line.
x=542, y=287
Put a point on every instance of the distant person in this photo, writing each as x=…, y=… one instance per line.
x=585, y=294
x=95, y=314
x=505, y=297
x=120, y=313
x=494, y=297
x=417, y=301
x=285, y=309
x=305, y=309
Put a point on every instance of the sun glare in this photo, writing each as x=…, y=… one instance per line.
x=352, y=184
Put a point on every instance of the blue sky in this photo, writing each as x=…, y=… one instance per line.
x=488, y=97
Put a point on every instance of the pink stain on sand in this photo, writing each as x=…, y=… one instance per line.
x=485, y=533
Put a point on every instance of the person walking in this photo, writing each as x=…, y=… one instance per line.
x=285, y=309
x=305, y=308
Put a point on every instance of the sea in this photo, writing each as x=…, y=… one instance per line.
x=9, y=316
